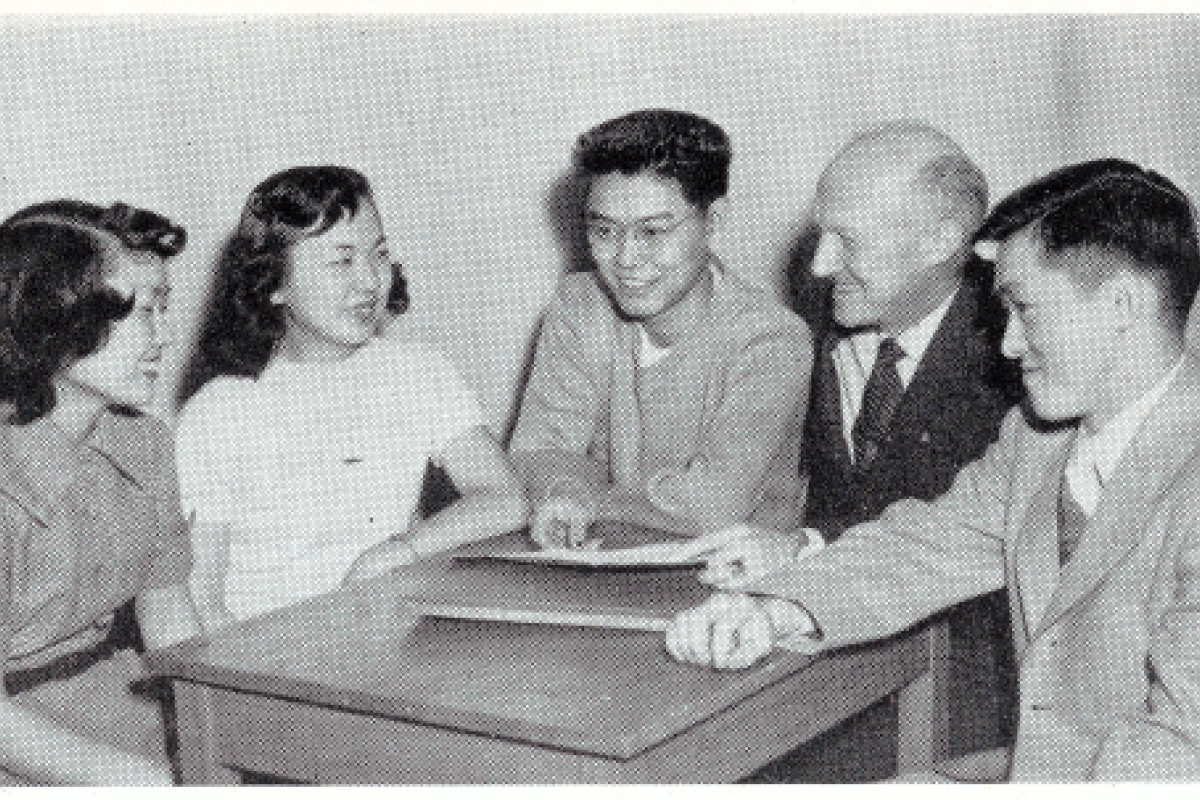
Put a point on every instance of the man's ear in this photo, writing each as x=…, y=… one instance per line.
x=1132, y=297
x=940, y=240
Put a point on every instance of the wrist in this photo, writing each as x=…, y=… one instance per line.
x=787, y=619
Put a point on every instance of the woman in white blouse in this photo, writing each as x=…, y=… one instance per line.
x=302, y=461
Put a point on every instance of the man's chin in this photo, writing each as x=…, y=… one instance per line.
x=1049, y=410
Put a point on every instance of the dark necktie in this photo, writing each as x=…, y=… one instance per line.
x=880, y=399
x=1072, y=519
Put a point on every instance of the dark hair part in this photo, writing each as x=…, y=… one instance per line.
x=54, y=305
x=242, y=325
x=672, y=144
x=1113, y=206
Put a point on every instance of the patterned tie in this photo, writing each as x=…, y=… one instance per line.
x=880, y=399
x=1072, y=520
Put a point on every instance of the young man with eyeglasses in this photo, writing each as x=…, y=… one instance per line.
x=665, y=389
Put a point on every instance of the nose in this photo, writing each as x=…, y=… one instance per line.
x=162, y=332
x=367, y=277
x=825, y=261
x=629, y=250
x=1013, y=344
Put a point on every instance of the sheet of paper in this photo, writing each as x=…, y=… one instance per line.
x=659, y=554
x=668, y=553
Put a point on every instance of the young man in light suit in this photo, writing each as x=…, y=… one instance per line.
x=1087, y=507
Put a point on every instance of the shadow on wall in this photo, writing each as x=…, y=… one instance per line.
x=804, y=293
x=563, y=208
x=198, y=370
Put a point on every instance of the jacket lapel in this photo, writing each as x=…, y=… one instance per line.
x=1036, y=547
x=948, y=364
x=626, y=422
x=827, y=403
x=1166, y=441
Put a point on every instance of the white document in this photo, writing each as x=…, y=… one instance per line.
x=680, y=552
x=659, y=554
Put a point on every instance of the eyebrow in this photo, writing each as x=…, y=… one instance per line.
x=664, y=216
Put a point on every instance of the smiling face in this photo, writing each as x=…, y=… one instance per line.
x=1063, y=334
x=336, y=288
x=871, y=221
x=650, y=245
x=126, y=368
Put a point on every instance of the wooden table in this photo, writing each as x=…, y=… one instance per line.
x=353, y=688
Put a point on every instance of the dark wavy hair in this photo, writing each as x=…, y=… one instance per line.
x=672, y=144
x=242, y=326
x=1116, y=206
x=54, y=305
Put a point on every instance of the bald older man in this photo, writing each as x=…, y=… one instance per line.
x=908, y=386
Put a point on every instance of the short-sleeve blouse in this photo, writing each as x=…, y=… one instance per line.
x=87, y=526
x=311, y=463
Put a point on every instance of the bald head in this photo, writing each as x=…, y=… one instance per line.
x=912, y=161
x=897, y=208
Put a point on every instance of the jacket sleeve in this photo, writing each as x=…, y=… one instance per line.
x=761, y=414
x=916, y=559
x=560, y=410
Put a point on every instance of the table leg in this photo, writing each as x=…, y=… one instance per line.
x=197, y=737
x=925, y=707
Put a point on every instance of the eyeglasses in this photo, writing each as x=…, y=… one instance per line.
x=646, y=234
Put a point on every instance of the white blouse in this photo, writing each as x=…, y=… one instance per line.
x=313, y=463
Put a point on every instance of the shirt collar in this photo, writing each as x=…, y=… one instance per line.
x=34, y=455
x=1103, y=449
x=914, y=340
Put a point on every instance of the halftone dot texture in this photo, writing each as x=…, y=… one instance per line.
x=314, y=463
x=464, y=126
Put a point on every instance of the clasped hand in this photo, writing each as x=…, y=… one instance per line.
x=729, y=631
x=732, y=630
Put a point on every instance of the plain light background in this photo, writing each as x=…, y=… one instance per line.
x=465, y=125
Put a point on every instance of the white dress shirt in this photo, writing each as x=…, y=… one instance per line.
x=854, y=358
x=1094, y=456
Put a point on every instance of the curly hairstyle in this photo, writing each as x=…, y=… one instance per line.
x=672, y=144
x=1111, y=205
x=243, y=326
x=55, y=307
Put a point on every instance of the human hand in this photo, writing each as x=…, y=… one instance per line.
x=742, y=554
x=562, y=521
x=728, y=631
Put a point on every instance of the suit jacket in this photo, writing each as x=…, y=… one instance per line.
x=951, y=411
x=1110, y=649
